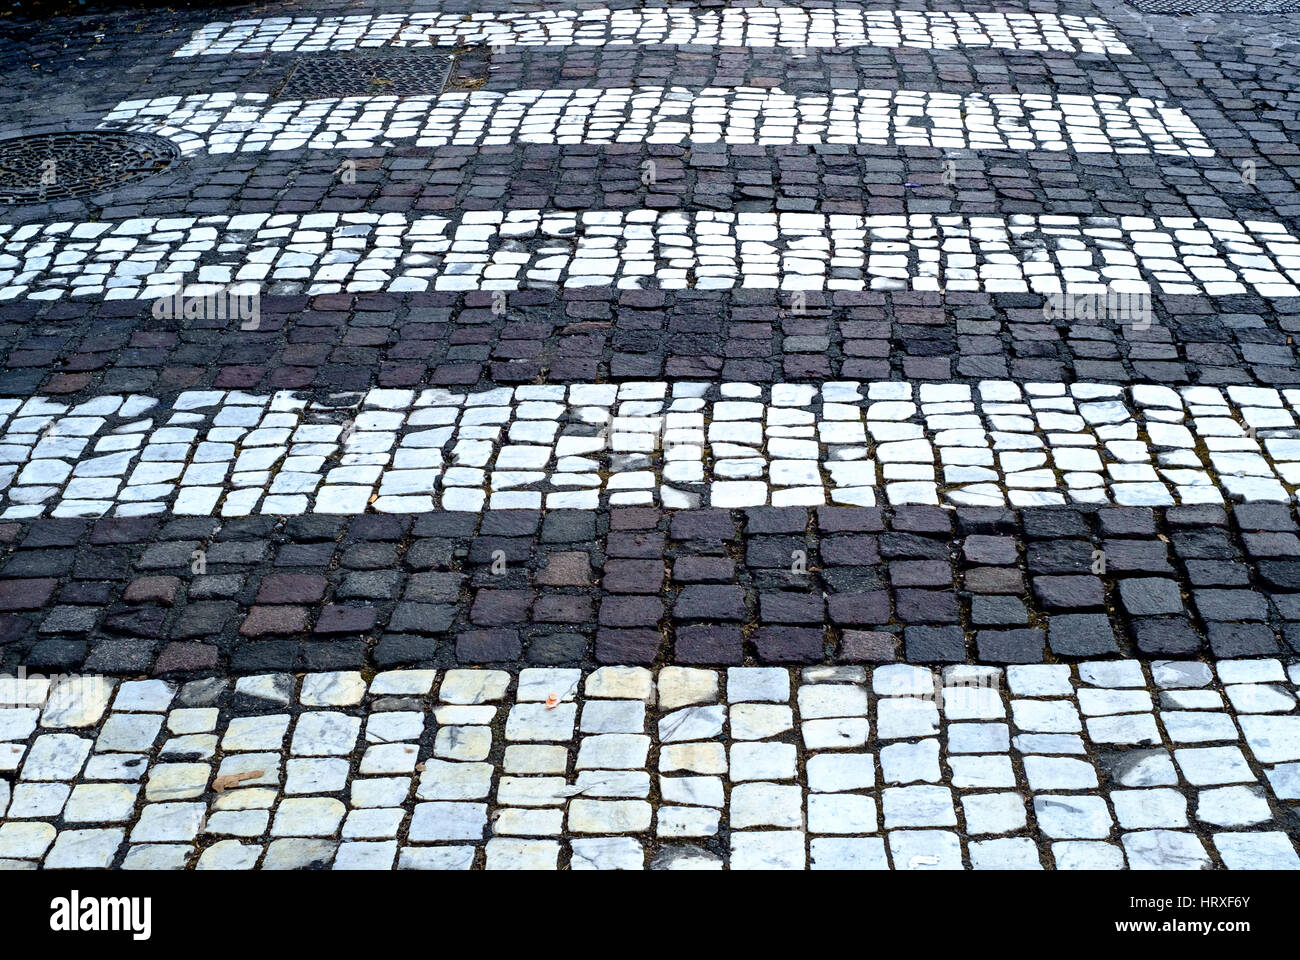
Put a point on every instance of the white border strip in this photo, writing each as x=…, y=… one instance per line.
x=678, y=445
x=748, y=27
x=230, y=122
x=151, y=258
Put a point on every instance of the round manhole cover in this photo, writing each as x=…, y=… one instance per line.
x=53, y=166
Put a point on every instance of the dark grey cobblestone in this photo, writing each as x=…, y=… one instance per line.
x=195, y=596
x=351, y=342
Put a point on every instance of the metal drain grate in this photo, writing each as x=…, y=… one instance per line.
x=55, y=166
x=1217, y=6
x=316, y=77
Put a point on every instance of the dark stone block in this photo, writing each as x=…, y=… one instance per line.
x=334, y=655
x=627, y=646
x=776, y=553
x=487, y=646
x=434, y=587
x=1241, y=640
x=314, y=555
x=708, y=602
x=858, y=609
x=868, y=646
x=776, y=520
x=980, y=549
x=430, y=618
x=644, y=545
x=1136, y=556
x=709, y=644
x=1271, y=544
x=702, y=525
x=1010, y=646
x=908, y=546
x=1127, y=522
x=494, y=608
x=53, y=653
x=631, y=612
x=633, y=576
x=562, y=608
x=1173, y=635
x=1217, y=573
x=934, y=644
x=1046, y=523
x=289, y=588
x=704, y=570
x=207, y=619
x=312, y=527
x=1081, y=635
x=1150, y=596
x=370, y=556
x=445, y=524
x=1204, y=543
x=261, y=656
x=26, y=594
x=849, y=520
x=379, y=526
x=369, y=585
x=489, y=551
x=926, y=606
x=510, y=523
x=920, y=573
x=569, y=526
x=789, y=644
x=1196, y=515
x=335, y=618
x=1059, y=556
x=992, y=521
x=404, y=649
x=1230, y=605
x=1264, y=516
x=118, y=657
x=264, y=621
x=557, y=648
x=1288, y=605
x=922, y=519
x=427, y=554
x=791, y=608
x=190, y=658
x=1069, y=593
x=994, y=580
x=996, y=611
x=1283, y=574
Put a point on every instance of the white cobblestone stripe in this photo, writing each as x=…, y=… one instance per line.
x=748, y=27
x=680, y=445
x=229, y=122
x=491, y=250
x=1103, y=765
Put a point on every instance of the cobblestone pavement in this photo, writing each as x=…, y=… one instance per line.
x=481, y=434
x=1185, y=766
